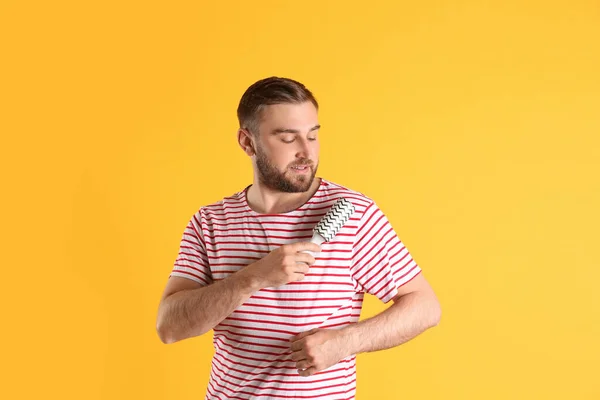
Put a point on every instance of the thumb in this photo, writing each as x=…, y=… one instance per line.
x=303, y=335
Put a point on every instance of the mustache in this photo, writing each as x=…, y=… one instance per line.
x=303, y=164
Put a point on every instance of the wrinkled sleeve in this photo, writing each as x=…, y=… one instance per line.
x=380, y=261
x=192, y=260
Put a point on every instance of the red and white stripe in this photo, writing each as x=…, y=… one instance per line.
x=252, y=350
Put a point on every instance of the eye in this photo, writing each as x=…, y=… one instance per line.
x=287, y=141
x=312, y=139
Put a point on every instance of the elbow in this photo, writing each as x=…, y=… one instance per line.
x=165, y=331
x=168, y=335
x=171, y=329
x=164, y=334
x=436, y=314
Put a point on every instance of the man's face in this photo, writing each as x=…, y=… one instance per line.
x=287, y=147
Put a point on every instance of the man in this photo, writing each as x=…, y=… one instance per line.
x=286, y=323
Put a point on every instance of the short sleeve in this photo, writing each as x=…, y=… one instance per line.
x=380, y=261
x=192, y=260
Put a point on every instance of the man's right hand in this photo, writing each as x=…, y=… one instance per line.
x=283, y=265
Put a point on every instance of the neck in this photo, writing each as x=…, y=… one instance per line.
x=265, y=200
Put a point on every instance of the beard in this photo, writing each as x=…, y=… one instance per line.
x=287, y=182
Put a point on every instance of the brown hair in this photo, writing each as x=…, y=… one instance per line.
x=268, y=91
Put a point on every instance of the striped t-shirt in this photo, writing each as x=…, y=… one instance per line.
x=252, y=349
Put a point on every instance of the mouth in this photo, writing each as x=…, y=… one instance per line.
x=301, y=169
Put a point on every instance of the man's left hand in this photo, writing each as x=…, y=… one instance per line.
x=317, y=349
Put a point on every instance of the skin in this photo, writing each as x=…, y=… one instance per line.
x=287, y=137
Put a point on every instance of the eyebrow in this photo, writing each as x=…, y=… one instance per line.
x=286, y=130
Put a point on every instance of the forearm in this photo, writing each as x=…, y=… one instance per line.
x=190, y=313
x=409, y=316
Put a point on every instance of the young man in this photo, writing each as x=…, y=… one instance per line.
x=286, y=323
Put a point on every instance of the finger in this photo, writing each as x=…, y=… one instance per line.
x=302, y=268
x=305, y=258
x=302, y=335
x=299, y=246
x=308, y=372
x=298, y=355
x=297, y=277
x=303, y=364
x=302, y=271
x=297, y=345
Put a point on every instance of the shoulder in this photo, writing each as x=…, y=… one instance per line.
x=361, y=202
x=227, y=206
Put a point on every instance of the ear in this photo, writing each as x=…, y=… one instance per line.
x=245, y=141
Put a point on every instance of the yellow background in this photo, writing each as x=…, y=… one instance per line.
x=474, y=125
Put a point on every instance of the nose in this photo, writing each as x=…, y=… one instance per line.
x=303, y=149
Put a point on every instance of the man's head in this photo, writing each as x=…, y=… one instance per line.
x=278, y=129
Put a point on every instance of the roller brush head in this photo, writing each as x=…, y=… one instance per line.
x=334, y=220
